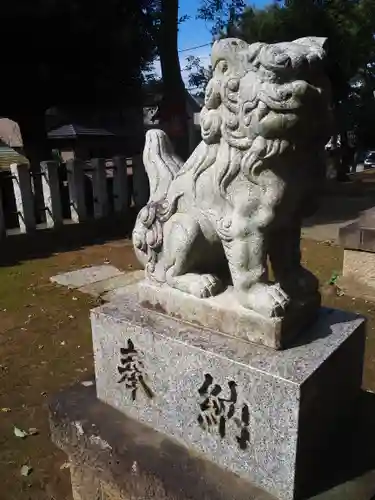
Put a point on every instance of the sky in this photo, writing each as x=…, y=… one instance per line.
x=195, y=32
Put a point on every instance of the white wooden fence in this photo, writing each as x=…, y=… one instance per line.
x=129, y=181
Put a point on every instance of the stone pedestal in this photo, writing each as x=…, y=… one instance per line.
x=114, y=457
x=259, y=413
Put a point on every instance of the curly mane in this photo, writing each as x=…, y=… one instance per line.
x=256, y=96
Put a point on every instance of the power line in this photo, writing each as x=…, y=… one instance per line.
x=197, y=47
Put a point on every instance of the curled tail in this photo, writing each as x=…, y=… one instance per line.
x=161, y=163
x=162, y=166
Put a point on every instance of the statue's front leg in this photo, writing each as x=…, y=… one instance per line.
x=285, y=256
x=184, y=246
x=247, y=261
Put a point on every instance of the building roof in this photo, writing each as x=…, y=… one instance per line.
x=73, y=131
x=10, y=133
x=8, y=156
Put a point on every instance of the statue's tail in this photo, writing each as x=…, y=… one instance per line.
x=161, y=163
x=162, y=166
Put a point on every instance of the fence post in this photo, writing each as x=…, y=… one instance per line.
x=141, y=187
x=76, y=184
x=3, y=232
x=24, y=197
x=120, y=185
x=99, y=187
x=51, y=193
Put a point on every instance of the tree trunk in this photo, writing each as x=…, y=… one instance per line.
x=344, y=163
x=34, y=138
x=173, y=115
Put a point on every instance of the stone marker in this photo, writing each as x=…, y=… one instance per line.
x=358, y=240
x=250, y=378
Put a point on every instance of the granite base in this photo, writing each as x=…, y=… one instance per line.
x=114, y=457
x=251, y=410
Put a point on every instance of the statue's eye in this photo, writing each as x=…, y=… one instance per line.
x=222, y=66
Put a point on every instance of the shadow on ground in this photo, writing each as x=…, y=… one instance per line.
x=339, y=209
x=46, y=242
x=350, y=456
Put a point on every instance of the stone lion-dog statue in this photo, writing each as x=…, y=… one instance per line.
x=237, y=203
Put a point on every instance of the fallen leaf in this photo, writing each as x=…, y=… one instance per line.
x=26, y=470
x=87, y=383
x=6, y=410
x=19, y=433
x=65, y=465
x=334, y=278
x=32, y=431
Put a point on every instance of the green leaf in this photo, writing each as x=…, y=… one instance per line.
x=333, y=278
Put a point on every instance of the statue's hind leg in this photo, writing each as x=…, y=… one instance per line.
x=285, y=257
x=182, y=252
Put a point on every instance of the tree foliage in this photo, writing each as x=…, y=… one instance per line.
x=71, y=53
x=199, y=75
x=349, y=26
x=223, y=14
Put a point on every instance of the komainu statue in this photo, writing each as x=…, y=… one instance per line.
x=235, y=207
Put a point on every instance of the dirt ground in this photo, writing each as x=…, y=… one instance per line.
x=45, y=345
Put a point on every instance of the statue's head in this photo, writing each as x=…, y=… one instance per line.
x=267, y=97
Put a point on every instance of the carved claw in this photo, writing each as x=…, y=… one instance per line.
x=268, y=300
x=199, y=285
x=208, y=286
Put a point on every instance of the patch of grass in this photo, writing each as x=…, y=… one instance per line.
x=45, y=345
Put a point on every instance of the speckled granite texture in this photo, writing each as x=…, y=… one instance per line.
x=224, y=313
x=249, y=409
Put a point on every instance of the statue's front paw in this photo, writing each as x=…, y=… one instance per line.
x=206, y=285
x=268, y=300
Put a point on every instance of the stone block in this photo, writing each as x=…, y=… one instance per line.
x=114, y=457
x=367, y=218
x=251, y=410
x=350, y=235
x=224, y=314
x=360, y=266
x=368, y=239
x=353, y=288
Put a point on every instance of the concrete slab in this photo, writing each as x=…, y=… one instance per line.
x=100, y=288
x=85, y=276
